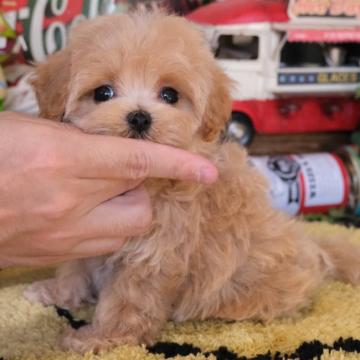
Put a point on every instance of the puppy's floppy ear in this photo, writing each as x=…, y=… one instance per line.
x=51, y=82
x=218, y=106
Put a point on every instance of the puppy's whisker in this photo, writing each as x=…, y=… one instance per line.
x=103, y=129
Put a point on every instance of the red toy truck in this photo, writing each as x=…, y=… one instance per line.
x=293, y=73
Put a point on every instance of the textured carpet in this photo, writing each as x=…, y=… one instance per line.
x=329, y=329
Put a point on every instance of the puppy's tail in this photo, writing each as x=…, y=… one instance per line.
x=344, y=257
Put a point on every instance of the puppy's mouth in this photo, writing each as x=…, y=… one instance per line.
x=137, y=135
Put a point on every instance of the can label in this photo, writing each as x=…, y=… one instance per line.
x=351, y=156
x=305, y=183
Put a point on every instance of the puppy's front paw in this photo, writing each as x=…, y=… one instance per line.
x=69, y=294
x=42, y=292
x=89, y=339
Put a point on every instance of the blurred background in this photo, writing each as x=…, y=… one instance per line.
x=296, y=69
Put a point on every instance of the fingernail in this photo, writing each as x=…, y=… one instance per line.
x=207, y=174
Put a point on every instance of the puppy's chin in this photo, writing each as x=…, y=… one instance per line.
x=139, y=136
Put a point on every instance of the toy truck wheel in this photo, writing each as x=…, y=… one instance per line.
x=241, y=129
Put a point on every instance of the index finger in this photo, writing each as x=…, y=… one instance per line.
x=110, y=157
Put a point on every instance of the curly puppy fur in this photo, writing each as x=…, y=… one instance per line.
x=216, y=251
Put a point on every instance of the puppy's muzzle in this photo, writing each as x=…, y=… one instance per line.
x=139, y=121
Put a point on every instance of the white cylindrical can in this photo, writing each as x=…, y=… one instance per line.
x=305, y=183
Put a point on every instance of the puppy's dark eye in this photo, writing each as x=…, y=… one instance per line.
x=103, y=93
x=169, y=95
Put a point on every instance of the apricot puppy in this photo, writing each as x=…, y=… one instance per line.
x=215, y=251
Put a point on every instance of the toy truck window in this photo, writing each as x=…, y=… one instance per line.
x=237, y=47
x=304, y=54
x=296, y=54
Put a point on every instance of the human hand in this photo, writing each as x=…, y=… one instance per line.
x=60, y=189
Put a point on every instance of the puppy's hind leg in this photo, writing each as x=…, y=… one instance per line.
x=274, y=292
x=345, y=258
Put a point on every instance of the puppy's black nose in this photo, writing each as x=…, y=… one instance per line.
x=139, y=121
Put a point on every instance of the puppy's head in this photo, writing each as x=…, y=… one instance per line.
x=148, y=76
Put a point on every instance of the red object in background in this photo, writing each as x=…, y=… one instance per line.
x=343, y=181
x=306, y=183
x=43, y=26
x=292, y=115
x=323, y=35
x=9, y=5
x=65, y=16
x=306, y=96
x=241, y=12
